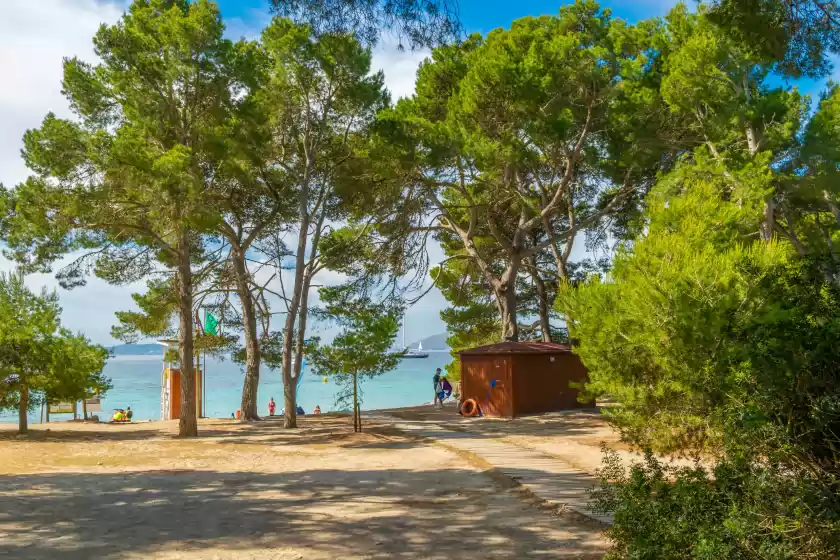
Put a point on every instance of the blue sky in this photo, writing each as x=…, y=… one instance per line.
x=36, y=34
x=475, y=14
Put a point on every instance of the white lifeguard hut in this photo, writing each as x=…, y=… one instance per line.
x=170, y=387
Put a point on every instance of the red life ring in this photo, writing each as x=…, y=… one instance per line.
x=470, y=408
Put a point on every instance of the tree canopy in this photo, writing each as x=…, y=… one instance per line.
x=361, y=350
x=419, y=24
x=515, y=142
x=128, y=182
x=39, y=360
x=799, y=35
x=713, y=329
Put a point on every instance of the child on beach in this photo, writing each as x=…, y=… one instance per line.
x=271, y=407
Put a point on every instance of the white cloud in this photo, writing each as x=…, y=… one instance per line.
x=35, y=35
x=400, y=67
x=34, y=38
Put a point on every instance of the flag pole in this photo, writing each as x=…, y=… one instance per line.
x=204, y=371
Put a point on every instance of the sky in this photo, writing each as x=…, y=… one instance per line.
x=36, y=35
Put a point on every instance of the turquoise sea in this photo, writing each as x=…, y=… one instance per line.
x=136, y=381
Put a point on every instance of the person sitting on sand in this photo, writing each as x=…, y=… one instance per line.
x=272, y=406
x=129, y=413
x=317, y=409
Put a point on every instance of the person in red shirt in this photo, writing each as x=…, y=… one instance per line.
x=272, y=406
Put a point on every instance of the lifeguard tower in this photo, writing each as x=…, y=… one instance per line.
x=170, y=387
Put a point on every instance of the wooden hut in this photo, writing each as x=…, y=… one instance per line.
x=170, y=387
x=510, y=379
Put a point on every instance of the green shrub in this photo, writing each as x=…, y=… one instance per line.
x=736, y=511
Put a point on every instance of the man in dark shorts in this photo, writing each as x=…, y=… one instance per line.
x=437, y=385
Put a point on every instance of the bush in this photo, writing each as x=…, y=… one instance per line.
x=716, y=345
x=736, y=511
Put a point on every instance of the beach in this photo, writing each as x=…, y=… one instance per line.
x=83, y=490
x=136, y=381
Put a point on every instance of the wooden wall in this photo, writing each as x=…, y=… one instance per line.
x=541, y=384
x=476, y=375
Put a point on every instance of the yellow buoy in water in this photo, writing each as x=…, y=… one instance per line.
x=325, y=380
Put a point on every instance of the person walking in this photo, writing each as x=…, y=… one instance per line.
x=438, y=386
x=272, y=406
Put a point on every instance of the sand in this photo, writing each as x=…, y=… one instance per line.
x=258, y=491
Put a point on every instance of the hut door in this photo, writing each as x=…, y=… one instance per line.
x=496, y=400
x=500, y=388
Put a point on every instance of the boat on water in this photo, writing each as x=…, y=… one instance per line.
x=408, y=352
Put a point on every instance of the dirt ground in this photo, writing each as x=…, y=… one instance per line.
x=258, y=491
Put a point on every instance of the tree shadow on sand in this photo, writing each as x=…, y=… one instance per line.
x=389, y=513
x=58, y=434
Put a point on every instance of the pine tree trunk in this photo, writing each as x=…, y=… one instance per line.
x=543, y=307
x=252, y=345
x=510, y=328
x=289, y=385
x=23, y=420
x=84, y=409
x=505, y=292
x=303, y=309
x=187, y=424
x=506, y=296
x=835, y=211
x=303, y=315
x=768, y=223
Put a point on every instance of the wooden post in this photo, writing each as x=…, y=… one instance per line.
x=198, y=387
x=357, y=421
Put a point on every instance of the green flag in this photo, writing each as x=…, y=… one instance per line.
x=210, y=323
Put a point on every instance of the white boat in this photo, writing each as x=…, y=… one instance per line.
x=416, y=353
x=408, y=353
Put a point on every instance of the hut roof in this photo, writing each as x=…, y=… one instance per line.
x=518, y=348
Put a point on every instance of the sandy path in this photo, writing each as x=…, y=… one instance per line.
x=83, y=491
x=575, y=437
